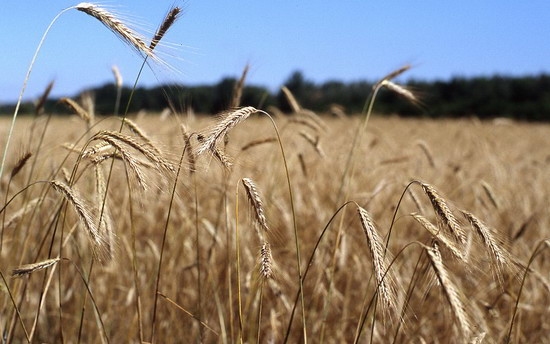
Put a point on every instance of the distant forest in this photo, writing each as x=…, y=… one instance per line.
x=523, y=98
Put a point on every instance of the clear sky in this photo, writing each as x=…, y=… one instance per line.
x=345, y=40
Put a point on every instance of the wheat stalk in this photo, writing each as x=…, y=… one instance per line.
x=314, y=142
x=258, y=142
x=426, y=150
x=490, y=193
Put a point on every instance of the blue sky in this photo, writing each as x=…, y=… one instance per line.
x=327, y=40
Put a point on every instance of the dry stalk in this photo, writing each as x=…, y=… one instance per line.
x=305, y=121
x=426, y=150
x=314, y=118
x=22, y=211
x=314, y=142
x=490, y=193
x=255, y=143
x=303, y=165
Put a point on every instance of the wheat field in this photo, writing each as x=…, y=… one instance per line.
x=256, y=226
x=228, y=265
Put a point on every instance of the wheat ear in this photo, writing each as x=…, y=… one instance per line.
x=500, y=255
x=238, y=89
x=191, y=158
x=114, y=137
x=430, y=227
x=266, y=261
x=39, y=107
x=168, y=21
x=380, y=260
x=134, y=128
x=30, y=268
x=229, y=120
x=291, y=100
x=401, y=90
x=450, y=290
x=85, y=216
x=20, y=164
x=257, y=205
x=258, y=142
x=117, y=26
x=79, y=110
x=444, y=212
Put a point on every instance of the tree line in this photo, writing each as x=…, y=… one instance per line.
x=523, y=98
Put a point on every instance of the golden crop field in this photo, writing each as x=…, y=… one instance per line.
x=426, y=239
x=257, y=226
